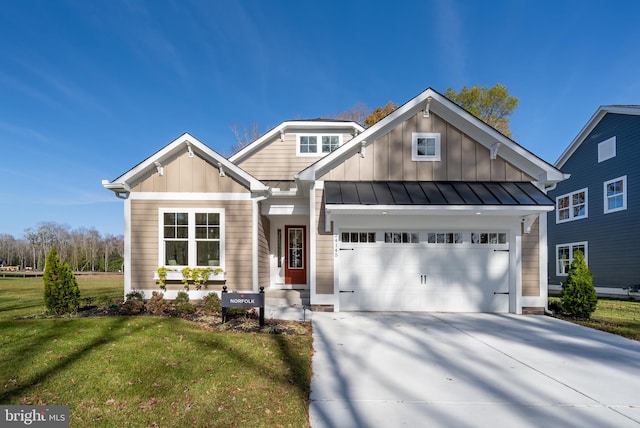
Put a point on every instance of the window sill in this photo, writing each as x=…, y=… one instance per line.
x=177, y=276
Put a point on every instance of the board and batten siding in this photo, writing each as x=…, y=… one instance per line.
x=278, y=159
x=146, y=241
x=462, y=159
x=189, y=174
x=612, y=238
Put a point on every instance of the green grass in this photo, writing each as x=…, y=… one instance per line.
x=621, y=317
x=147, y=371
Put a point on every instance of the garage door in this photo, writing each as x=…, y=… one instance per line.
x=445, y=271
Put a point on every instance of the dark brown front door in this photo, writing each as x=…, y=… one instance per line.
x=295, y=266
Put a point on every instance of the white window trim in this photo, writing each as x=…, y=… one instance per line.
x=191, y=213
x=605, y=144
x=570, y=195
x=414, y=147
x=318, y=151
x=624, y=195
x=571, y=245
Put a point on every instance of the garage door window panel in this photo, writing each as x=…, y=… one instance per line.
x=358, y=237
x=401, y=237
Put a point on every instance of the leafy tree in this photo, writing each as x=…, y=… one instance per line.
x=380, y=113
x=578, y=297
x=491, y=105
x=61, y=292
x=358, y=114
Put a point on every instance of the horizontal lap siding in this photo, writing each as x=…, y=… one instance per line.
x=264, y=227
x=612, y=238
x=531, y=261
x=324, y=250
x=462, y=158
x=278, y=160
x=145, y=240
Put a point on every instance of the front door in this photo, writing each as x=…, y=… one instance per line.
x=295, y=264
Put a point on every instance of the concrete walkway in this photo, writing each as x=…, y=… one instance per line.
x=470, y=370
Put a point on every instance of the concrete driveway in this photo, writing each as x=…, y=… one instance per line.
x=470, y=370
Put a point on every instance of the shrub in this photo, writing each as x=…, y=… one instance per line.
x=182, y=305
x=157, y=305
x=578, y=298
x=135, y=295
x=132, y=307
x=61, y=292
x=212, y=303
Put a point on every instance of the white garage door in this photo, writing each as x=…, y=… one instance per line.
x=424, y=271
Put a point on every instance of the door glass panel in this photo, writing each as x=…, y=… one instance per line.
x=296, y=253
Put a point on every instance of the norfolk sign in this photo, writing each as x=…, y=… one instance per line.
x=242, y=300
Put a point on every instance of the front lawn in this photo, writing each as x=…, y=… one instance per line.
x=621, y=317
x=147, y=371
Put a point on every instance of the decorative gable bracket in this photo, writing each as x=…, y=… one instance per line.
x=528, y=221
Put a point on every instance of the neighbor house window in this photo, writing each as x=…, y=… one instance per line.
x=607, y=149
x=314, y=144
x=192, y=237
x=425, y=146
x=615, y=195
x=572, y=206
x=565, y=254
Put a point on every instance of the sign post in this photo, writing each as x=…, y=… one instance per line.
x=242, y=300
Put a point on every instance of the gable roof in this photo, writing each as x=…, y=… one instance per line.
x=591, y=124
x=186, y=142
x=284, y=127
x=432, y=101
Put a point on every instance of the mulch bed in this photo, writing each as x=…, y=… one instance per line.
x=246, y=323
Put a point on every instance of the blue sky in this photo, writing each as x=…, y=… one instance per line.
x=88, y=89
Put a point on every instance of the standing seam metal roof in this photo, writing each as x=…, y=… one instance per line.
x=435, y=193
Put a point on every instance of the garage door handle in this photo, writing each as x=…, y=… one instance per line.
x=500, y=292
x=504, y=251
x=347, y=249
x=347, y=291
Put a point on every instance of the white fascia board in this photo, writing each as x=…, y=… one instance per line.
x=285, y=126
x=186, y=142
x=458, y=117
x=520, y=210
x=190, y=196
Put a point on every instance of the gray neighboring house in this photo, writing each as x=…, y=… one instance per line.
x=598, y=207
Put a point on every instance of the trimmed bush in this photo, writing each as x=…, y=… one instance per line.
x=182, y=305
x=578, y=298
x=157, y=305
x=61, y=292
x=212, y=303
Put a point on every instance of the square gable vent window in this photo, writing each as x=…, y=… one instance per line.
x=607, y=149
x=425, y=146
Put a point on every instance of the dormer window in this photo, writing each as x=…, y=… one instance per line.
x=425, y=146
x=317, y=144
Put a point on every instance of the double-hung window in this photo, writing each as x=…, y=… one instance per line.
x=615, y=195
x=192, y=237
x=572, y=206
x=565, y=254
x=318, y=144
x=425, y=146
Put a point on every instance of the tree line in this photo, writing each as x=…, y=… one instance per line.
x=85, y=250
